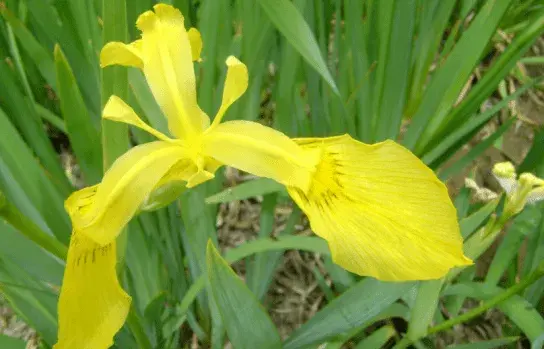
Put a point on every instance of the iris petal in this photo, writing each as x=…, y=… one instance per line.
x=117, y=110
x=168, y=67
x=235, y=85
x=382, y=211
x=259, y=150
x=125, y=187
x=129, y=55
x=196, y=44
x=92, y=304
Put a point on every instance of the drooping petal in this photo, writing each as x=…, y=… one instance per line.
x=196, y=44
x=382, y=211
x=235, y=85
x=125, y=187
x=129, y=55
x=92, y=304
x=168, y=67
x=260, y=150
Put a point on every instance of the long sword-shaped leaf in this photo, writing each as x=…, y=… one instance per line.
x=450, y=78
x=291, y=24
x=246, y=321
x=353, y=308
x=28, y=186
x=84, y=137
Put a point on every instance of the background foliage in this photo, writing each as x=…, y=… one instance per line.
x=431, y=74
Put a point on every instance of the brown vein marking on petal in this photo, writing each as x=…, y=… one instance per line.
x=326, y=189
x=91, y=253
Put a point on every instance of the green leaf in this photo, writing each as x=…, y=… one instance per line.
x=260, y=274
x=42, y=58
x=475, y=152
x=456, y=138
x=23, y=115
x=432, y=23
x=249, y=189
x=147, y=102
x=304, y=243
x=260, y=268
x=422, y=313
x=534, y=160
x=494, y=343
x=33, y=301
x=50, y=117
x=353, y=308
x=7, y=342
x=469, y=224
x=28, y=186
x=56, y=25
x=246, y=321
x=377, y=339
x=450, y=78
x=291, y=24
x=114, y=82
x=535, y=253
x=492, y=77
x=84, y=137
x=199, y=227
x=396, y=70
x=516, y=308
x=538, y=343
x=523, y=225
x=29, y=256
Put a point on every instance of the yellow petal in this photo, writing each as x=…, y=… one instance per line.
x=536, y=195
x=125, y=187
x=382, y=211
x=168, y=67
x=129, y=55
x=196, y=44
x=92, y=305
x=235, y=85
x=260, y=150
x=117, y=110
x=184, y=174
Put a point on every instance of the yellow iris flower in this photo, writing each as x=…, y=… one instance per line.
x=382, y=211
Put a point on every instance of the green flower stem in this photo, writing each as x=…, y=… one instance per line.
x=526, y=282
x=26, y=227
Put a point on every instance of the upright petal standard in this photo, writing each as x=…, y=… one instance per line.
x=381, y=210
